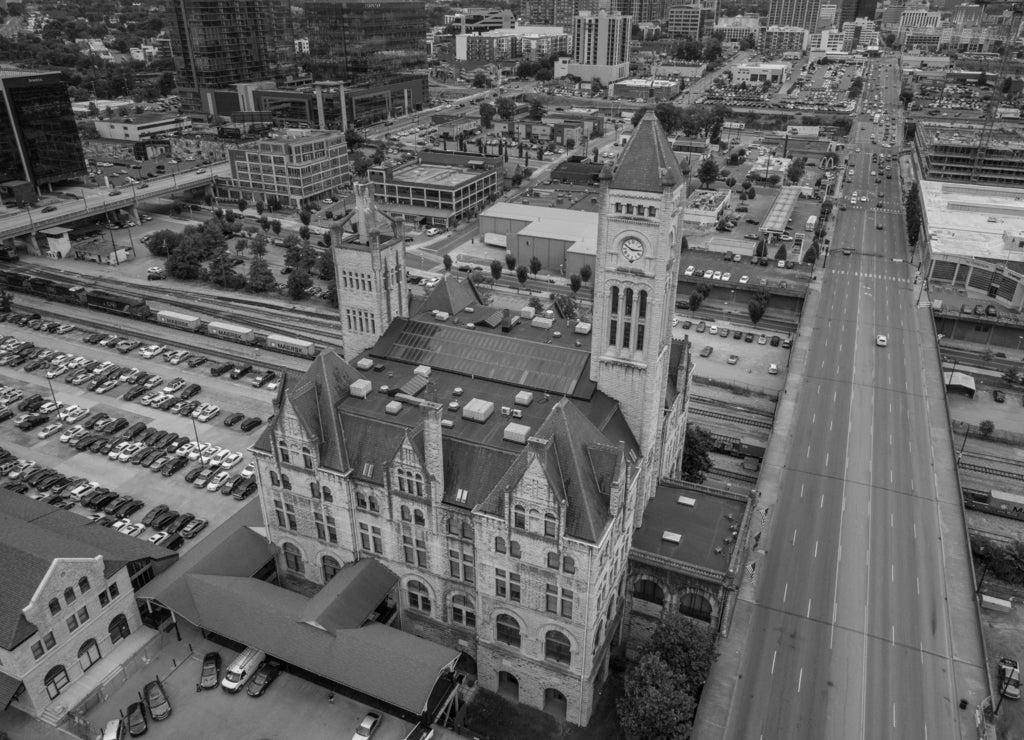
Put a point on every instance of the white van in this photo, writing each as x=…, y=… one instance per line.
x=113, y=730
x=242, y=668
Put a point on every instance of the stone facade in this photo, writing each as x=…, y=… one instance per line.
x=79, y=615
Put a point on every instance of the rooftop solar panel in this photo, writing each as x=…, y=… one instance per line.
x=500, y=357
x=414, y=385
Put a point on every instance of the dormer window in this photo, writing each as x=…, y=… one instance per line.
x=411, y=482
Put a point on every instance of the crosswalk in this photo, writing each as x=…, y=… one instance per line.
x=868, y=207
x=876, y=276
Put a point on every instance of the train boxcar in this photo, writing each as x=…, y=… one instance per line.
x=995, y=501
x=123, y=305
x=234, y=332
x=179, y=320
x=14, y=280
x=290, y=345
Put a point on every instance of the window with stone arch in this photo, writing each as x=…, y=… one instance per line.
x=307, y=458
x=330, y=566
x=292, y=558
x=568, y=565
x=519, y=517
x=499, y=544
x=406, y=513
x=647, y=590
x=83, y=584
x=613, y=323
x=557, y=647
x=506, y=630
x=463, y=611
x=550, y=525
x=410, y=481
x=418, y=596
x=282, y=451
x=54, y=606
x=696, y=606
x=326, y=492
x=418, y=519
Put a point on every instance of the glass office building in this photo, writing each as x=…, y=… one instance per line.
x=366, y=41
x=39, y=140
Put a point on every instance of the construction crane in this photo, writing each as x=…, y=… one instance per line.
x=992, y=110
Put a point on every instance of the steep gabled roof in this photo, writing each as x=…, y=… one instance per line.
x=451, y=295
x=370, y=445
x=350, y=597
x=647, y=163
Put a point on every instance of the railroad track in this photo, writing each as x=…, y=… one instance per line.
x=992, y=458
x=710, y=401
x=998, y=472
x=742, y=477
x=728, y=417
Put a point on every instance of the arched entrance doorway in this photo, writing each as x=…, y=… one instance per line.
x=56, y=679
x=508, y=686
x=555, y=704
x=118, y=628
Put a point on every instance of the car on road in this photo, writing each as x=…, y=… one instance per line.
x=251, y=423
x=233, y=419
x=49, y=430
x=367, y=727
x=733, y=359
x=881, y=340
x=49, y=209
x=706, y=352
x=135, y=716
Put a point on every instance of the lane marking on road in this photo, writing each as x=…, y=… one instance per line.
x=826, y=458
x=894, y=714
x=915, y=530
x=918, y=580
x=892, y=520
x=920, y=650
x=894, y=635
x=785, y=590
x=775, y=654
x=892, y=572
x=815, y=548
x=793, y=543
x=800, y=680
x=813, y=418
x=808, y=608
x=808, y=450
x=821, y=504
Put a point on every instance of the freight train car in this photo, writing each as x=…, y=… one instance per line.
x=121, y=305
x=290, y=345
x=55, y=291
x=179, y=320
x=994, y=501
x=234, y=332
x=14, y=280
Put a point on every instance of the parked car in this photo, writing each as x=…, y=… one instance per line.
x=263, y=677
x=251, y=423
x=157, y=701
x=367, y=727
x=209, y=676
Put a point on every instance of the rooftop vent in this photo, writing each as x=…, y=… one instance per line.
x=361, y=388
x=393, y=408
x=456, y=392
x=447, y=423
x=364, y=364
x=384, y=389
x=441, y=315
x=542, y=322
x=518, y=433
x=453, y=405
x=582, y=328
x=527, y=312
x=524, y=398
x=686, y=501
x=674, y=537
x=423, y=370
x=478, y=410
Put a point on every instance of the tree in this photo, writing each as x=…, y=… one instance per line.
x=258, y=245
x=811, y=256
x=795, y=171
x=264, y=223
x=913, y=213
x=586, y=272
x=163, y=242
x=506, y=108
x=537, y=109
x=535, y=265
x=707, y=173
x=496, y=270
x=986, y=428
x=669, y=116
x=575, y=283
x=780, y=253
x=510, y=261
x=353, y=138
x=447, y=260
x=242, y=204
x=653, y=706
x=305, y=217
x=325, y=265
x=261, y=278
x=487, y=113
x=750, y=192
x=298, y=282
x=273, y=203
x=761, y=248
x=756, y=308
x=696, y=298
x=730, y=181
x=481, y=80
x=637, y=117
x=684, y=244
x=696, y=460
x=275, y=226
x=773, y=179
x=687, y=650
x=522, y=273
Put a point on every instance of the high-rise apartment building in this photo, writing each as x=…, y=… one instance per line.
x=39, y=141
x=801, y=13
x=601, y=38
x=218, y=43
x=366, y=41
x=694, y=20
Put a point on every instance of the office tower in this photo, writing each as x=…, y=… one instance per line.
x=39, y=141
x=800, y=13
x=218, y=43
x=366, y=41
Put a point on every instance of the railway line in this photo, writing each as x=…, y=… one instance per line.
x=997, y=472
x=742, y=408
x=728, y=417
x=733, y=475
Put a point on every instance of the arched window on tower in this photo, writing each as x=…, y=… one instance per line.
x=641, y=319
x=613, y=324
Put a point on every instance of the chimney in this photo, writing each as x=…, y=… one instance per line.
x=433, y=446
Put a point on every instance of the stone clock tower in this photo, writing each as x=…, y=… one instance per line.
x=635, y=278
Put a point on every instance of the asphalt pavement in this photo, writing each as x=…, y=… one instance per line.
x=857, y=616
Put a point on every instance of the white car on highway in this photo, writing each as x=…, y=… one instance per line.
x=881, y=340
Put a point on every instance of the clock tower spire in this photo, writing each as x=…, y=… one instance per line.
x=636, y=275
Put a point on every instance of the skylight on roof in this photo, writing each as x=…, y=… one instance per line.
x=461, y=495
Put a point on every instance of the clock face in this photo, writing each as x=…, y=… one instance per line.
x=632, y=249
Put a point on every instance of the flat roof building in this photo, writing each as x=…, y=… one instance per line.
x=441, y=188
x=953, y=153
x=522, y=42
x=299, y=168
x=143, y=126
x=561, y=239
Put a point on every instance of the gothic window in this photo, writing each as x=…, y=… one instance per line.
x=410, y=482
x=696, y=606
x=418, y=518
x=642, y=305
x=54, y=606
x=282, y=450
x=463, y=611
x=557, y=647
x=507, y=630
x=307, y=458
x=285, y=483
x=56, y=679
x=69, y=595
x=550, y=525
x=519, y=515
x=83, y=584
x=568, y=565
x=331, y=567
x=313, y=490
x=553, y=560
x=514, y=549
x=615, y=300
x=629, y=302
x=419, y=596
x=274, y=480
x=499, y=544
x=328, y=496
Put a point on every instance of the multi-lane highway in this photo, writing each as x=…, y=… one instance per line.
x=849, y=632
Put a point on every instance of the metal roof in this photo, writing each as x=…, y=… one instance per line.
x=778, y=215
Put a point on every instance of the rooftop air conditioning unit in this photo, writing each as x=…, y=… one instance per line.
x=517, y=413
x=505, y=410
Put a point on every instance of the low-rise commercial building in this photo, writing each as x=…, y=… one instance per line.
x=756, y=74
x=440, y=188
x=738, y=28
x=639, y=89
x=561, y=239
x=144, y=126
x=299, y=168
x=705, y=207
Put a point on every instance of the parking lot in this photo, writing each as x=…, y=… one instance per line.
x=292, y=707
x=135, y=480
x=753, y=360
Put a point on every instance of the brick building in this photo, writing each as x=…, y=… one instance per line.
x=496, y=461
